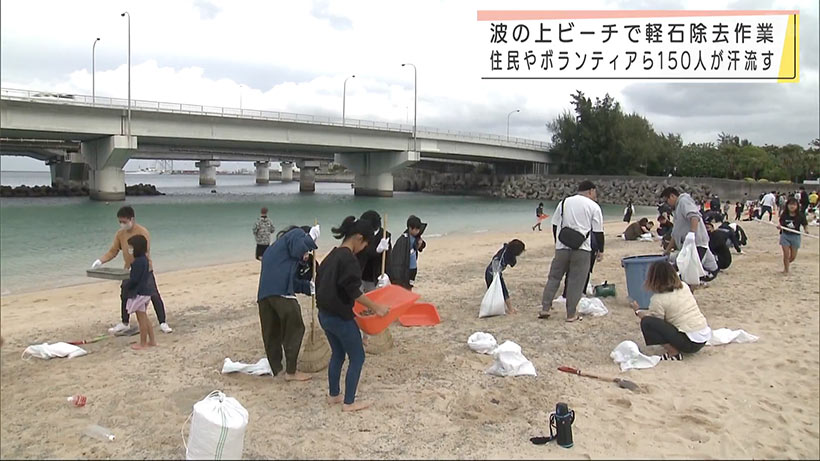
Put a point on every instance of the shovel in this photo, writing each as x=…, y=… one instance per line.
x=624, y=383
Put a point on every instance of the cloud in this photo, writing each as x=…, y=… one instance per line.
x=207, y=10
x=321, y=10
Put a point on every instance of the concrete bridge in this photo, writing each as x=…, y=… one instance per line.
x=73, y=129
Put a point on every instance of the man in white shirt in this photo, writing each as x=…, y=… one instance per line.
x=579, y=215
x=767, y=204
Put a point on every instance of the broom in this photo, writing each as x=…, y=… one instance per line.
x=382, y=342
x=315, y=354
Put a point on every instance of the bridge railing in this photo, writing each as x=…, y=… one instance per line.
x=195, y=109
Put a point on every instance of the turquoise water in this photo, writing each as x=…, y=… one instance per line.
x=49, y=242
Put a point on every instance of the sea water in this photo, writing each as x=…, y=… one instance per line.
x=50, y=242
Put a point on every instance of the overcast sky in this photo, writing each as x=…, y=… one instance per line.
x=294, y=56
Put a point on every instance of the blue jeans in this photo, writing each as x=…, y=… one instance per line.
x=344, y=337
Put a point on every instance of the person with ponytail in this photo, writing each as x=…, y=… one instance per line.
x=338, y=287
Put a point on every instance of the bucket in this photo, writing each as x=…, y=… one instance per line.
x=636, y=268
x=398, y=299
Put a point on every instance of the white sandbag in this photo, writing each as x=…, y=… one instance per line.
x=647, y=237
x=47, y=351
x=592, y=306
x=629, y=356
x=483, y=343
x=493, y=302
x=260, y=368
x=509, y=361
x=218, y=427
x=689, y=264
x=723, y=336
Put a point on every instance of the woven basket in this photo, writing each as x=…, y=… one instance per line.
x=380, y=343
x=315, y=354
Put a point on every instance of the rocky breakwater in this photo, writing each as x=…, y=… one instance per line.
x=610, y=190
x=69, y=191
x=445, y=183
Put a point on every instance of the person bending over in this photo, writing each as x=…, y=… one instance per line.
x=504, y=257
x=338, y=286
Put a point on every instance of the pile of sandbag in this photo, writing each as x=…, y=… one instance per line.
x=508, y=359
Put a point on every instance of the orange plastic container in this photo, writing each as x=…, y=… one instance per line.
x=420, y=315
x=398, y=299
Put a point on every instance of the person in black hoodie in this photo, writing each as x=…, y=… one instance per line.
x=402, y=267
x=718, y=245
x=370, y=259
x=503, y=258
x=338, y=287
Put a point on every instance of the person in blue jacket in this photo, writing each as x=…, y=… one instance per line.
x=279, y=311
x=506, y=256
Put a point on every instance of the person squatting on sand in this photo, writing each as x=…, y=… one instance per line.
x=791, y=218
x=574, y=220
x=504, y=257
x=673, y=319
x=279, y=313
x=128, y=229
x=138, y=291
x=638, y=228
x=338, y=286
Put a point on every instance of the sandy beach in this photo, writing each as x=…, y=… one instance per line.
x=432, y=397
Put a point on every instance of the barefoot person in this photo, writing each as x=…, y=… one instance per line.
x=574, y=220
x=138, y=291
x=673, y=319
x=338, y=286
x=279, y=311
x=128, y=229
x=791, y=219
x=504, y=257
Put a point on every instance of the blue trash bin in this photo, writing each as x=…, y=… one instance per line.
x=636, y=268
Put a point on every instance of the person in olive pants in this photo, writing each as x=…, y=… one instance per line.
x=282, y=329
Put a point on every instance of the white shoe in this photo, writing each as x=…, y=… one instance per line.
x=165, y=328
x=118, y=328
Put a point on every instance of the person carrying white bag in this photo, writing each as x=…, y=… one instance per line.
x=497, y=299
x=689, y=229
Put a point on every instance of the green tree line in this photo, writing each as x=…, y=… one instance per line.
x=597, y=137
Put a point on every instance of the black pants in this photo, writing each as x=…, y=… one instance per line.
x=156, y=300
x=412, y=282
x=658, y=331
x=765, y=209
x=282, y=329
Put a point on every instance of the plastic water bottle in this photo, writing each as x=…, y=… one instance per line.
x=100, y=433
x=77, y=400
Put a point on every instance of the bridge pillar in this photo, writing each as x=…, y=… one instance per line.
x=262, y=172
x=60, y=170
x=307, y=175
x=374, y=170
x=207, y=172
x=106, y=157
x=287, y=171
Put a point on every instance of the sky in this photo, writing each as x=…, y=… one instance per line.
x=294, y=56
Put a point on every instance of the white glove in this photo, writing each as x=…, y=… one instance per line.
x=690, y=238
x=96, y=264
x=384, y=280
x=314, y=232
x=384, y=244
x=312, y=288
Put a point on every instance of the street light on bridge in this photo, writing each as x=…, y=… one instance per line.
x=129, y=72
x=508, y=122
x=94, y=72
x=415, y=102
x=344, y=96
